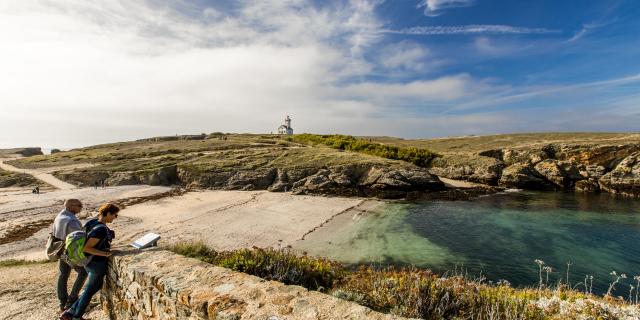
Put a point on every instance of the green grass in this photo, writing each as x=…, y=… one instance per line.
x=407, y=291
x=14, y=179
x=418, y=156
x=15, y=263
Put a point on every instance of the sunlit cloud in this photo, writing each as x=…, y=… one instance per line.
x=433, y=8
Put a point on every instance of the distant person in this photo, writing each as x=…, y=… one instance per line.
x=95, y=184
x=102, y=182
x=98, y=247
x=37, y=189
x=65, y=223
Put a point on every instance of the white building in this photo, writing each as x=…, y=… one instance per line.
x=286, y=127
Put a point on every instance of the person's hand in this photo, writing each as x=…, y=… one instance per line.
x=114, y=252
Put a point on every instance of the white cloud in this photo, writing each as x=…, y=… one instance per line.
x=588, y=28
x=433, y=8
x=405, y=55
x=471, y=29
x=440, y=90
x=113, y=69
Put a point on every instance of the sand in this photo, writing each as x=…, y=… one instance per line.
x=222, y=219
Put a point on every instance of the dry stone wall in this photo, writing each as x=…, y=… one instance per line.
x=158, y=284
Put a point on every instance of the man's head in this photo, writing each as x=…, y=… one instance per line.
x=108, y=212
x=73, y=205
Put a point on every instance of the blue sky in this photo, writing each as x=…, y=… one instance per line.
x=85, y=72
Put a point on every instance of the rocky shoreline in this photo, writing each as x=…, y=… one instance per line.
x=562, y=167
x=582, y=167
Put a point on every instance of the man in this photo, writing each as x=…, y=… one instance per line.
x=65, y=223
x=98, y=247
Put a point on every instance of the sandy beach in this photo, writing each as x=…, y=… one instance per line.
x=224, y=220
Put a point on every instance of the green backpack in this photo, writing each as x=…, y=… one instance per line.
x=74, y=247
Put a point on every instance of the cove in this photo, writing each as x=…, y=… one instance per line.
x=497, y=236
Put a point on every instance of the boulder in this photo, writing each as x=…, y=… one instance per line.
x=527, y=156
x=251, y=180
x=588, y=185
x=624, y=178
x=481, y=169
x=281, y=182
x=562, y=174
x=523, y=176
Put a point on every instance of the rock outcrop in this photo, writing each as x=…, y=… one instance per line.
x=344, y=180
x=86, y=178
x=481, y=169
x=25, y=152
x=585, y=168
x=624, y=178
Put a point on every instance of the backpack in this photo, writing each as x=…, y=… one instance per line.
x=54, y=248
x=74, y=246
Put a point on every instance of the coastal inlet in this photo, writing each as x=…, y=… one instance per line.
x=497, y=237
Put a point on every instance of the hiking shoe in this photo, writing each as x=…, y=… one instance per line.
x=66, y=316
x=81, y=318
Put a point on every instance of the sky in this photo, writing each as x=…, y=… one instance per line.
x=81, y=72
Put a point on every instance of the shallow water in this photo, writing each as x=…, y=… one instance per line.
x=498, y=236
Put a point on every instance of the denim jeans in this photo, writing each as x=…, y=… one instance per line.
x=96, y=271
x=64, y=270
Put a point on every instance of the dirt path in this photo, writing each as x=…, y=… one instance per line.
x=40, y=174
x=28, y=292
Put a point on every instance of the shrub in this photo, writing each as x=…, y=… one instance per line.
x=417, y=156
x=408, y=291
x=271, y=264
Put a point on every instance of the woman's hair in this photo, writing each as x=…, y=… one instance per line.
x=108, y=208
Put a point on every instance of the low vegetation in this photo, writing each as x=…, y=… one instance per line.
x=13, y=179
x=418, y=156
x=413, y=292
x=473, y=144
x=15, y=263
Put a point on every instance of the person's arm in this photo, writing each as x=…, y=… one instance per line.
x=89, y=248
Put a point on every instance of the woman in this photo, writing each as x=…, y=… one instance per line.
x=98, y=247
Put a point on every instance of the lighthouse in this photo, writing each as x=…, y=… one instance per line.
x=286, y=127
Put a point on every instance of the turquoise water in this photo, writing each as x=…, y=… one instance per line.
x=498, y=236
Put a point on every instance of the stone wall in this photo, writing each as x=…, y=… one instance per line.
x=158, y=284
